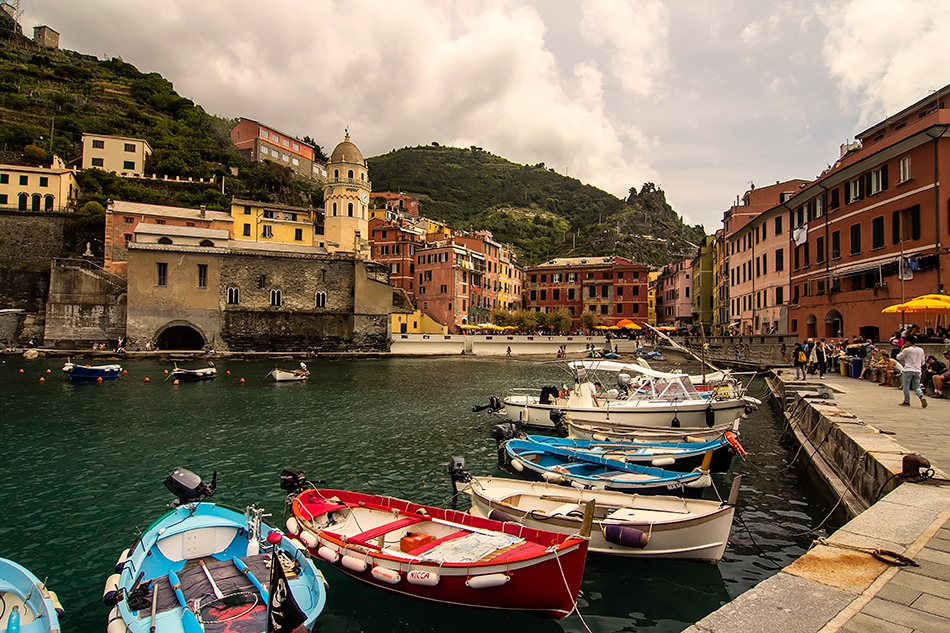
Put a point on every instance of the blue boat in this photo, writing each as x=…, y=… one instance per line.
x=679, y=456
x=205, y=567
x=26, y=605
x=588, y=471
x=91, y=372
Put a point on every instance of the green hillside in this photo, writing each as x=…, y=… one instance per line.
x=541, y=212
x=49, y=98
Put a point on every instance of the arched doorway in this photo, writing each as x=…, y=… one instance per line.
x=183, y=337
x=811, y=326
x=834, y=324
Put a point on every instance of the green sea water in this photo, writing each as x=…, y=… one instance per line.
x=83, y=466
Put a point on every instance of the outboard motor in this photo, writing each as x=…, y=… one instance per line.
x=623, y=383
x=502, y=433
x=188, y=487
x=458, y=473
x=293, y=480
x=557, y=416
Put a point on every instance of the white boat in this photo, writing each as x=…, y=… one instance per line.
x=288, y=375
x=644, y=397
x=641, y=526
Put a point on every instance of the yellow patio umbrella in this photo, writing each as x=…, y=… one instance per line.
x=919, y=306
x=600, y=327
x=935, y=297
x=633, y=326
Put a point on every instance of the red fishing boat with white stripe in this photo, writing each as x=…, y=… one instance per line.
x=439, y=555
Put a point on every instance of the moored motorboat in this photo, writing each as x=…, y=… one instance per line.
x=290, y=375
x=644, y=398
x=437, y=555
x=203, y=566
x=680, y=456
x=26, y=605
x=91, y=372
x=585, y=470
x=193, y=375
x=607, y=431
x=652, y=526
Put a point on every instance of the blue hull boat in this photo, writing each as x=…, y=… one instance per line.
x=26, y=605
x=678, y=456
x=593, y=472
x=91, y=372
x=204, y=567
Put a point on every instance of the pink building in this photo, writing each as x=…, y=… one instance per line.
x=674, y=293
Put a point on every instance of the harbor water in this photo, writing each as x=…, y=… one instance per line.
x=83, y=466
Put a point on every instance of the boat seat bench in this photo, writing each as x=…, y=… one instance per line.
x=369, y=535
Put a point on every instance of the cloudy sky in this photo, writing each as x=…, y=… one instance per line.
x=700, y=97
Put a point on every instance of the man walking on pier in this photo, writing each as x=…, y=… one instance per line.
x=912, y=358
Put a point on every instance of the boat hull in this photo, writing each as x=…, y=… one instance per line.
x=194, y=375
x=677, y=528
x=544, y=583
x=37, y=607
x=283, y=375
x=680, y=457
x=639, y=414
x=86, y=372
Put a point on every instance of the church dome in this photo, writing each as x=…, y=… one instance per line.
x=347, y=152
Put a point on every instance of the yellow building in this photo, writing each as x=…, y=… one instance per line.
x=269, y=223
x=651, y=297
x=118, y=154
x=346, y=201
x=38, y=188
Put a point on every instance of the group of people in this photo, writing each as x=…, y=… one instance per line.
x=905, y=358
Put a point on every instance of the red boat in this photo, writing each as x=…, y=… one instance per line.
x=442, y=556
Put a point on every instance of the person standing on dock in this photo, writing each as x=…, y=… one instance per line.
x=801, y=359
x=912, y=358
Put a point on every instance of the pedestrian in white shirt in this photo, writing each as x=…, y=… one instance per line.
x=913, y=359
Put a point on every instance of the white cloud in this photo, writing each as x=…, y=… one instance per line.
x=887, y=55
x=635, y=35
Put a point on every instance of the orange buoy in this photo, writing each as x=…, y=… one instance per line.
x=125, y=372
x=166, y=372
x=48, y=371
x=176, y=382
x=99, y=379
x=42, y=379
x=146, y=379
x=21, y=371
x=241, y=381
x=229, y=372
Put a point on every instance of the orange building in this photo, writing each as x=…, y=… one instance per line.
x=873, y=229
x=258, y=142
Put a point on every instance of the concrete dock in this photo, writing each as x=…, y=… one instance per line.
x=888, y=569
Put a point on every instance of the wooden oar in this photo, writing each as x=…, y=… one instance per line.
x=214, y=586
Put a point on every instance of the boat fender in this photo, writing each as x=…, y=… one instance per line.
x=385, y=574
x=60, y=611
x=487, y=581
x=116, y=625
x=660, y=462
x=710, y=416
x=422, y=577
x=353, y=563
x=626, y=536
x=553, y=478
x=734, y=443
x=13, y=622
x=110, y=595
x=327, y=554
x=293, y=527
x=497, y=515
x=119, y=564
x=309, y=539
x=517, y=465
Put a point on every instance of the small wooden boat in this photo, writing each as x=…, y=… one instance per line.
x=653, y=526
x=593, y=472
x=679, y=456
x=26, y=605
x=91, y=372
x=288, y=375
x=442, y=556
x=204, y=567
x=193, y=375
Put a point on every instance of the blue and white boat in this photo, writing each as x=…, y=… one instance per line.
x=91, y=372
x=679, y=456
x=592, y=472
x=26, y=605
x=205, y=567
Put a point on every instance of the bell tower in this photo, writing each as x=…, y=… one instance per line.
x=346, y=200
